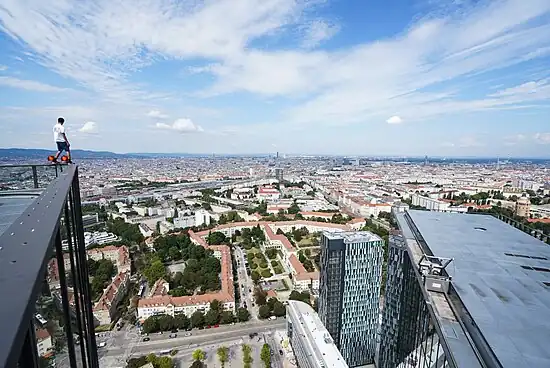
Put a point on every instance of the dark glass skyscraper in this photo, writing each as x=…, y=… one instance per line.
x=349, y=291
x=464, y=290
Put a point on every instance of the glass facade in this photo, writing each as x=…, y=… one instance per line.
x=408, y=334
x=349, y=291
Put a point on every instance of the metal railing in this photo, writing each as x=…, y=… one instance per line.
x=28, y=176
x=46, y=315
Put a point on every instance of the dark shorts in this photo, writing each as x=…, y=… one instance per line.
x=62, y=146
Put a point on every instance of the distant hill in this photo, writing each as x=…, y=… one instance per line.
x=12, y=153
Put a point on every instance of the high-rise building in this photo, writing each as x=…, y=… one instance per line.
x=349, y=292
x=279, y=174
x=464, y=290
x=311, y=342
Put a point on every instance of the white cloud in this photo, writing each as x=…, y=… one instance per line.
x=181, y=125
x=542, y=138
x=29, y=85
x=89, y=127
x=394, y=120
x=101, y=43
x=3, y=67
x=156, y=114
x=318, y=31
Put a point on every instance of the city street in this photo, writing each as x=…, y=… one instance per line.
x=125, y=344
x=247, y=282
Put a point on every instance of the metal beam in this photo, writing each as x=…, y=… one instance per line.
x=26, y=249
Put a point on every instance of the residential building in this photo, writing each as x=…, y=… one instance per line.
x=311, y=343
x=464, y=290
x=105, y=310
x=523, y=206
x=202, y=217
x=120, y=256
x=349, y=292
x=433, y=204
x=44, y=344
x=184, y=221
x=90, y=220
x=267, y=193
x=159, y=302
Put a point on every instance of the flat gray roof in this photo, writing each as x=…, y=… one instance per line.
x=499, y=273
x=12, y=205
x=352, y=236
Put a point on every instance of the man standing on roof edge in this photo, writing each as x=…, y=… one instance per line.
x=60, y=139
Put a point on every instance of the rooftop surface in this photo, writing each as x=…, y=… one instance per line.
x=502, y=275
x=352, y=236
x=311, y=327
x=12, y=205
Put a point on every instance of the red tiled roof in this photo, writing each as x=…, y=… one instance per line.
x=543, y=220
x=42, y=334
x=317, y=214
x=226, y=294
x=296, y=264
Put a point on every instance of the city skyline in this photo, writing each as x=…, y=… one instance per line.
x=440, y=78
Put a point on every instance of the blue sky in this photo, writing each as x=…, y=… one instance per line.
x=352, y=77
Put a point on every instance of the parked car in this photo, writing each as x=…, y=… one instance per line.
x=188, y=334
x=280, y=352
x=146, y=339
x=173, y=335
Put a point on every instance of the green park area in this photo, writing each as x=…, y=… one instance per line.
x=258, y=263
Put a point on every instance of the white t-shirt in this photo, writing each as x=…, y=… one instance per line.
x=58, y=131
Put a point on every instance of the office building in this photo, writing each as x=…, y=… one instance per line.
x=311, y=342
x=31, y=236
x=465, y=290
x=349, y=292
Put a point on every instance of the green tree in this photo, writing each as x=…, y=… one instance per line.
x=264, y=311
x=227, y=317
x=136, y=362
x=247, y=357
x=223, y=355
x=181, y=321
x=199, y=355
x=265, y=356
x=155, y=271
x=260, y=296
x=211, y=317
x=301, y=257
x=279, y=309
x=216, y=238
x=243, y=314
x=164, y=362
x=151, y=325
x=197, y=364
x=197, y=319
x=293, y=209
x=255, y=276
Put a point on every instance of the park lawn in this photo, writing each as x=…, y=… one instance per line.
x=306, y=242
